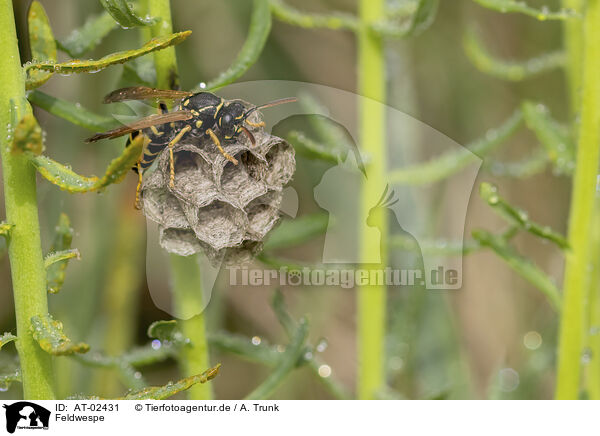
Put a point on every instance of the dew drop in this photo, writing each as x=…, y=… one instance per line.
x=324, y=371
x=396, y=363
x=532, y=340
x=322, y=345
x=256, y=340
x=156, y=344
x=508, y=379
x=586, y=356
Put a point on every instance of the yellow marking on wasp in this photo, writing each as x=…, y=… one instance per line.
x=195, y=113
x=139, y=186
x=185, y=103
x=240, y=117
x=172, y=124
x=261, y=124
x=217, y=143
x=155, y=130
x=205, y=108
x=174, y=141
x=218, y=108
x=152, y=153
x=199, y=123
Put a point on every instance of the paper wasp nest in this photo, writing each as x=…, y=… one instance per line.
x=223, y=209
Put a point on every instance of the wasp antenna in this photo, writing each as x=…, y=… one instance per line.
x=278, y=102
x=271, y=104
x=250, y=135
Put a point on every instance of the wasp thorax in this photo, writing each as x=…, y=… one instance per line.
x=223, y=209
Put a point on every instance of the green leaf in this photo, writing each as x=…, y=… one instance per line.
x=333, y=21
x=49, y=335
x=523, y=266
x=311, y=149
x=287, y=363
x=6, y=338
x=71, y=112
x=314, y=363
x=454, y=161
x=41, y=40
x=123, y=14
x=166, y=331
x=163, y=392
x=297, y=231
x=62, y=176
x=514, y=71
x=87, y=66
x=553, y=136
x=530, y=166
x=61, y=256
x=519, y=217
x=244, y=347
x=9, y=378
x=520, y=6
x=28, y=136
x=424, y=16
x=284, y=318
x=82, y=40
x=5, y=229
x=137, y=357
x=260, y=26
x=420, y=20
x=56, y=263
x=140, y=71
x=437, y=248
x=70, y=181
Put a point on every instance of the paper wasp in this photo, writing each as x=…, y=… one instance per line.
x=198, y=114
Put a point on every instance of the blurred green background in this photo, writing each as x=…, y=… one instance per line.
x=494, y=338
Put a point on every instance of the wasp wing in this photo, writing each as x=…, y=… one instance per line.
x=143, y=93
x=152, y=120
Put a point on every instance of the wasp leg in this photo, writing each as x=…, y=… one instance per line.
x=217, y=143
x=138, y=205
x=251, y=124
x=174, y=141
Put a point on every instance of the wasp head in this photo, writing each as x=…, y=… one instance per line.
x=230, y=119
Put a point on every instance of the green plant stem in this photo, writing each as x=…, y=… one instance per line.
x=371, y=298
x=24, y=247
x=187, y=288
x=573, y=43
x=572, y=325
x=165, y=61
x=185, y=272
x=592, y=373
x=121, y=292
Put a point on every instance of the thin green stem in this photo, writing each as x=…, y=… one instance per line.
x=185, y=272
x=371, y=298
x=187, y=288
x=573, y=321
x=592, y=370
x=165, y=61
x=573, y=43
x=24, y=247
x=120, y=294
